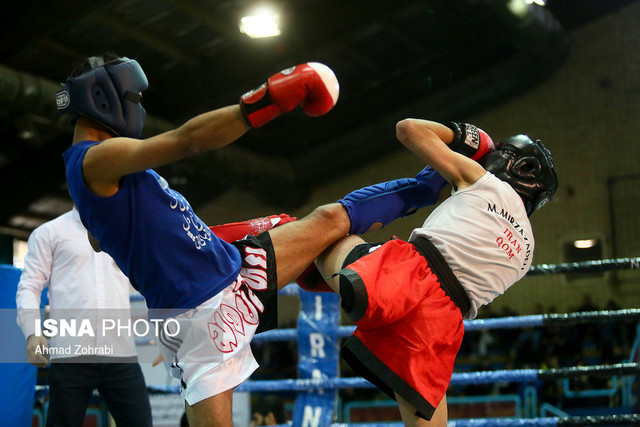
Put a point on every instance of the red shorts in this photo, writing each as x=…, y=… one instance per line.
x=408, y=330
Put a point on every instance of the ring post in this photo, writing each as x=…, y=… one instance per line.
x=318, y=346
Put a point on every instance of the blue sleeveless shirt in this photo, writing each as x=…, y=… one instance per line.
x=170, y=256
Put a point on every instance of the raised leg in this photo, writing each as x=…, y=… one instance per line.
x=377, y=205
x=297, y=244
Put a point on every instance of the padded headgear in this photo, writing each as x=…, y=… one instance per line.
x=527, y=166
x=109, y=93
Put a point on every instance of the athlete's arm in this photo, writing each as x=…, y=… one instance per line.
x=311, y=86
x=107, y=162
x=428, y=140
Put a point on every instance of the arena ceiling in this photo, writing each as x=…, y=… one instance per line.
x=433, y=58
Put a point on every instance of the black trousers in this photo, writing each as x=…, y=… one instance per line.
x=121, y=386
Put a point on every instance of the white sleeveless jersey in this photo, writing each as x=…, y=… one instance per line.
x=485, y=236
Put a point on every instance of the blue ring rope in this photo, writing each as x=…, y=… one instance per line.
x=458, y=378
x=511, y=322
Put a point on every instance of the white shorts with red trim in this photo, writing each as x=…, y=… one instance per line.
x=208, y=347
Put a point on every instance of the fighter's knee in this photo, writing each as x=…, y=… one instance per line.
x=334, y=214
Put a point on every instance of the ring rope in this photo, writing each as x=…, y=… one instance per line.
x=596, y=266
x=553, y=319
x=458, y=378
x=290, y=334
x=608, y=420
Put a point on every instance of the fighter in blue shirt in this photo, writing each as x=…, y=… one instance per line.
x=219, y=292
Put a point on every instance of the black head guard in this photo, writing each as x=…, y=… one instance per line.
x=527, y=166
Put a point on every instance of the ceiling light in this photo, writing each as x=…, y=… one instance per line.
x=26, y=134
x=519, y=8
x=263, y=23
x=585, y=243
x=538, y=2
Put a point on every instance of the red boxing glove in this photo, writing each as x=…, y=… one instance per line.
x=239, y=230
x=312, y=86
x=470, y=140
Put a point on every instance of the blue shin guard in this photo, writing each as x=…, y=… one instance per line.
x=390, y=200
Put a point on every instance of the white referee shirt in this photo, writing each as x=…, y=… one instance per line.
x=485, y=236
x=82, y=284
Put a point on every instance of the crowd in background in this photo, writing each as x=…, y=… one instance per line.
x=549, y=347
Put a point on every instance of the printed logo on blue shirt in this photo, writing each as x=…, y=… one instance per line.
x=197, y=231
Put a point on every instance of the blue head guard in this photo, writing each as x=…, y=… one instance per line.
x=109, y=93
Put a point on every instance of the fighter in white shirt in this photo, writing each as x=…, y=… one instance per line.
x=83, y=286
x=408, y=298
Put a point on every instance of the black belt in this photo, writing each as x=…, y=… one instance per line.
x=439, y=266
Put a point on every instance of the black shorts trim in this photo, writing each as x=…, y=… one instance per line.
x=359, y=251
x=269, y=297
x=367, y=365
x=353, y=292
x=448, y=281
